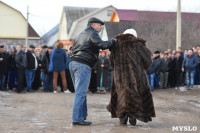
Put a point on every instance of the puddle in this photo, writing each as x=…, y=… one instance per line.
x=112, y=124
x=183, y=89
x=40, y=124
x=182, y=101
x=195, y=103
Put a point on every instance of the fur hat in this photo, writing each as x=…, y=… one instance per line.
x=130, y=31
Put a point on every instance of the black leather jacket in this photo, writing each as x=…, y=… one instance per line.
x=86, y=47
x=45, y=62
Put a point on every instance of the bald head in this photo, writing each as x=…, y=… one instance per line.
x=190, y=52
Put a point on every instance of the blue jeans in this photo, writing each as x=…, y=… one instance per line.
x=190, y=74
x=2, y=80
x=48, y=82
x=41, y=76
x=12, y=79
x=30, y=75
x=157, y=79
x=151, y=80
x=81, y=75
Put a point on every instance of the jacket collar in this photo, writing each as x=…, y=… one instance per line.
x=90, y=27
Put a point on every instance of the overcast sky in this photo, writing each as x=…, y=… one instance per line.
x=45, y=14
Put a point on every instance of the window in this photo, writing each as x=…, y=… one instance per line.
x=109, y=12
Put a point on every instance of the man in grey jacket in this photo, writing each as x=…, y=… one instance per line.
x=21, y=66
x=85, y=54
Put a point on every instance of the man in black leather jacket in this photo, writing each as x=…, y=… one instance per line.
x=85, y=53
x=20, y=60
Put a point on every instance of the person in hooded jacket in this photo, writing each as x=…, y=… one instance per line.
x=59, y=61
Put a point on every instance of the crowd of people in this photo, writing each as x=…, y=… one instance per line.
x=23, y=71
x=29, y=69
x=175, y=68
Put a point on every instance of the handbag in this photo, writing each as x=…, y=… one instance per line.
x=51, y=62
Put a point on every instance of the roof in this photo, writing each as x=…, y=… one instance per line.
x=74, y=13
x=51, y=35
x=74, y=25
x=31, y=31
x=135, y=15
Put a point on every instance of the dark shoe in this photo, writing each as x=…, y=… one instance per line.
x=82, y=123
x=123, y=120
x=132, y=121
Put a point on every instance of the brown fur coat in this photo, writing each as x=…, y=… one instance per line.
x=131, y=91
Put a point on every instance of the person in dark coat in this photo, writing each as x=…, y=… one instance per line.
x=157, y=73
x=7, y=66
x=12, y=75
x=172, y=72
x=59, y=60
x=32, y=65
x=48, y=76
x=179, y=73
x=20, y=60
x=93, y=81
x=130, y=95
x=3, y=68
x=37, y=79
x=102, y=68
x=151, y=73
x=164, y=71
x=198, y=70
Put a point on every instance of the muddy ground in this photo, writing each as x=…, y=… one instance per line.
x=40, y=112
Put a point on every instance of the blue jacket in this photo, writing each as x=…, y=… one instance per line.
x=59, y=60
x=190, y=63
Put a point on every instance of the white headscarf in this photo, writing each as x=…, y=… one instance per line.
x=130, y=31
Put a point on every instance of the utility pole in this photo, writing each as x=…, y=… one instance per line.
x=27, y=27
x=178, y=25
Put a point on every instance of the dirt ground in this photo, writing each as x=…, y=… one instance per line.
x=40, y=112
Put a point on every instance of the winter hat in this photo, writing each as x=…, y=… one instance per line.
x=156, y=52
x=95, y=20
x=130, y=31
